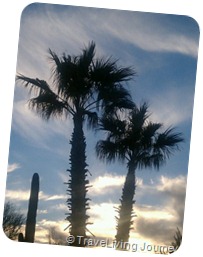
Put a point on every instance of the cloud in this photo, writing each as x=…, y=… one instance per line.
x=51, y=232
x=103, y=218
x=159, y=223
x=108, y=184
x=23, y=195
x=17, y=195
x=60, y=207
x=107, y=188
x=150, y=34
x=50, y=198
x=154, y=223
x=172, y=186
x=151, y=212
x=174, y=191
x=12, y=167
x=158, y=231
x=177, y=110
x=74, y=27
x=42, y=212
x=37, y=131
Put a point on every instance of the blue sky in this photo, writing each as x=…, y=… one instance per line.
x=163, y=50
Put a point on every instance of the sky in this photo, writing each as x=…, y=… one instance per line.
x=163, y=50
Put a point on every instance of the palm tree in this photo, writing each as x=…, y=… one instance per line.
x=81, y=86
x=138, y=141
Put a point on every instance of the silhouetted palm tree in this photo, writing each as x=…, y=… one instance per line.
x=137, y=141
x=81, y=86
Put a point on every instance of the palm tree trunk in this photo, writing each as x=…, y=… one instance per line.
x=126, y=208
x=78, y=203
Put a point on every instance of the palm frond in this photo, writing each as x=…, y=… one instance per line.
x=147, y=159
x=54, y=57
x=109, y=151
x=112, y=124
x=92, y=119
x=87, y=56
x=115, y=98
x=167, y=142
x=63, y=72
x=107, y=72
x=148, y=133
x=36, y=85
x=47, y=105
x=71, y=73
x=138, y=117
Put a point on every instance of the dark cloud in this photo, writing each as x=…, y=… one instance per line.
x=157, y=230
x=159, y=223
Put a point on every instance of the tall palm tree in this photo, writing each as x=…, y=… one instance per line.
x=137, y=141
x=81, y=86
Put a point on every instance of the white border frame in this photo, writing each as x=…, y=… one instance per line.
x=10, y=13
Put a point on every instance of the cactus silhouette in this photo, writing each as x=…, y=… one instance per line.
x=32, y=212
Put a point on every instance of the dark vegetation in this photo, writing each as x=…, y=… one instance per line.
x=12, y=221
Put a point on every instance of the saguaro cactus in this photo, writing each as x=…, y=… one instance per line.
x=32, y=212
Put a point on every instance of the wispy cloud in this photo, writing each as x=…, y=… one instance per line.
x=148, y=33
x=12, y=167
x=108, y=183
x=176, y=111
x=23, y=195
x=145, y=31
x=74, y=27
x=34, y=129
x=17, y=195
x=51, y=198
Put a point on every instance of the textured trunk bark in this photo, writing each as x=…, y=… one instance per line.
x=126, y=208
x=78, y=203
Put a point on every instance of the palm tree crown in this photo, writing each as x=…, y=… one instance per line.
x=137, y=140
x=80, y=84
